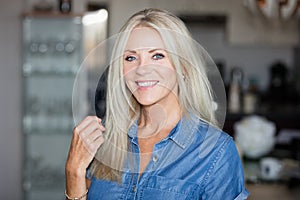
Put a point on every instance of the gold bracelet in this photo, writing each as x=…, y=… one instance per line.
x=76, y=198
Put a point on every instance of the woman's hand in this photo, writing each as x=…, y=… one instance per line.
x=87, y=138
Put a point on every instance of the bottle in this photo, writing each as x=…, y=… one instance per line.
x=250, y=97
x=65, y=6
x=235, y=90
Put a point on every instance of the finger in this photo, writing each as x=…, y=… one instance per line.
x=93, y=136
x=93, y=146
x=84, y=123
x=93, y=126
x=101, y=125
x=98, y=142
x=99, y=120
x=102, y=128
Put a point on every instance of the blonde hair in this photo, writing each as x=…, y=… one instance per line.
x=195, y=93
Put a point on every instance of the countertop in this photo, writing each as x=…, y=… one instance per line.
x=266, y=191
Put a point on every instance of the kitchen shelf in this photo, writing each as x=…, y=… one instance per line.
x=52, y=55
x=287, y=118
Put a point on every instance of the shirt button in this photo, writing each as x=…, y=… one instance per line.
x=155, y=158
x=134, y=189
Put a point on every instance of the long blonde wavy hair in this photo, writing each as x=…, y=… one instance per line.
x=195, y=94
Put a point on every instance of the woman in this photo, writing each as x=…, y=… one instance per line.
x=161, y=136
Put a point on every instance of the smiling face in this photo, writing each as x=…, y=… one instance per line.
x=148, y=71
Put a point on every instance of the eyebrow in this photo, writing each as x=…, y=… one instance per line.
x=150, y=51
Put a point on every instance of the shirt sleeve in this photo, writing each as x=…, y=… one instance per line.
x=226, y=177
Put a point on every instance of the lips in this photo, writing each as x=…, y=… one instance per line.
x=146, y=84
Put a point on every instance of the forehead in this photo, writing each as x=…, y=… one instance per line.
x=144, y=37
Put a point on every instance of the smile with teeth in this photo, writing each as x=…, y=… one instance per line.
x=145, y=84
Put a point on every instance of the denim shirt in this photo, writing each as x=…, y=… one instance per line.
x=195, y=161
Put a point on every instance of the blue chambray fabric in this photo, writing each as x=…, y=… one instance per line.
x=195, y=161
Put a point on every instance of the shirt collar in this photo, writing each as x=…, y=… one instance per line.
x=132, y=132
x=181, y=134
x=184, y=131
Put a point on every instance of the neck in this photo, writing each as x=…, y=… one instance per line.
x=156, y=118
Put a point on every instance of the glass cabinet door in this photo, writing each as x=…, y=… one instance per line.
x=52, y=54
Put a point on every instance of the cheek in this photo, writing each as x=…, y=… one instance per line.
x=171, y=80
x=127, y=72
x=168, y=63
x=128, y=78
x=168, y=71
x=127, y=68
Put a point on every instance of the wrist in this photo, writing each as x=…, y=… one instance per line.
x=75, y=183
x=77, y=172
x=76, y=198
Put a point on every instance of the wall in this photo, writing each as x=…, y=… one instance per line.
x=120, y=10
x=243, y=28
x=10, y=100
x=255, y=60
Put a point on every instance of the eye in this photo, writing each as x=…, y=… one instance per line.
x=158, y=56
x=130, y=58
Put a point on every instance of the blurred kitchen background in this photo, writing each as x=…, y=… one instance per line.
x=255, y=44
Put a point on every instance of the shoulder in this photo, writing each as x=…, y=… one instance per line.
x=224, y=176
x=211, y=140
x=215, y=146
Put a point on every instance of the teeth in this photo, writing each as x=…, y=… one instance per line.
x=146, y=83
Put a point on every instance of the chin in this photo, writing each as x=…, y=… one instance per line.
x=146, y=103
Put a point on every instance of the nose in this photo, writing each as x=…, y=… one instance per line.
x=145, y=64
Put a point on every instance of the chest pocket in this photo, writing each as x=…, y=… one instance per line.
x=161, y=188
